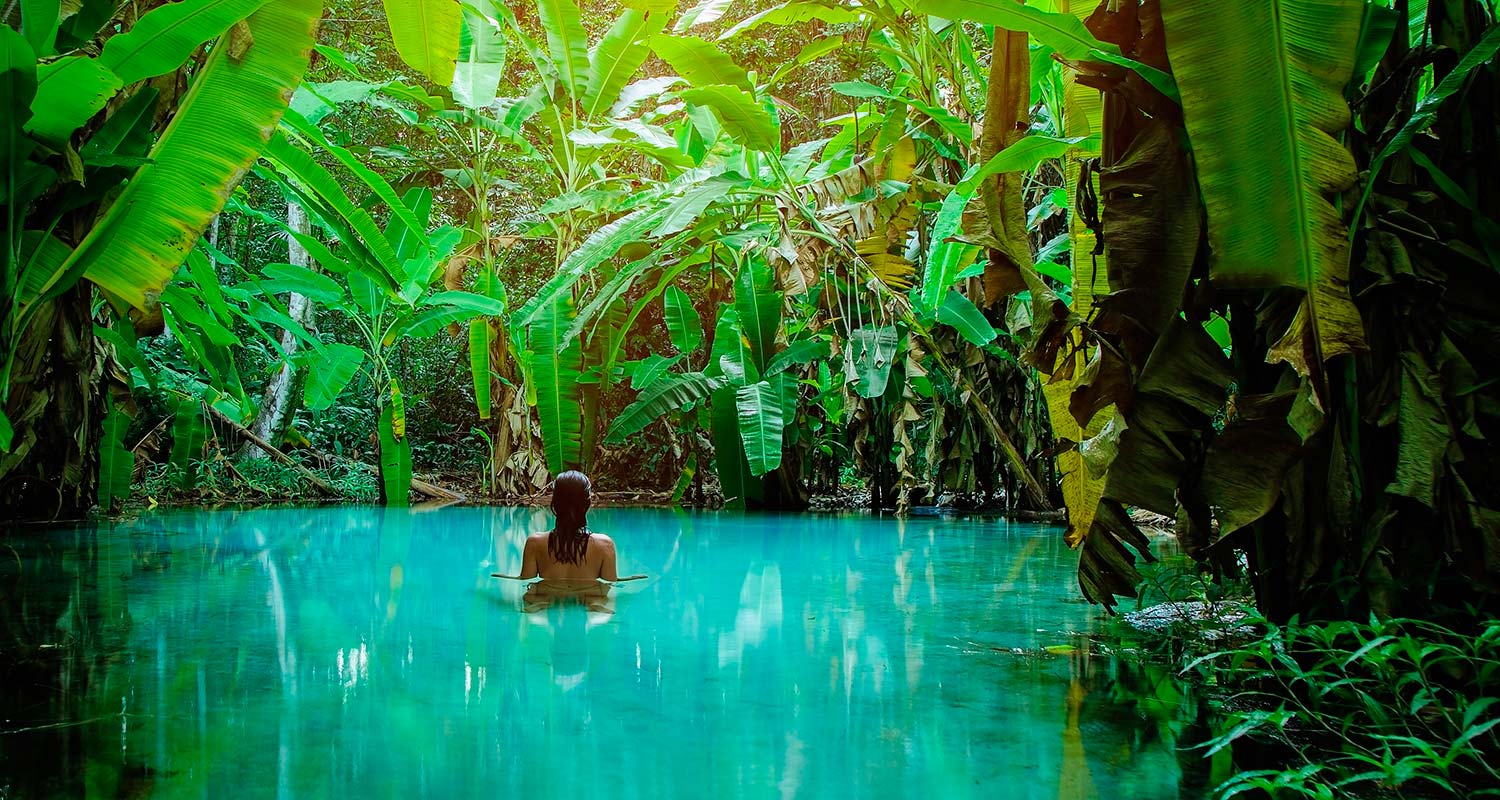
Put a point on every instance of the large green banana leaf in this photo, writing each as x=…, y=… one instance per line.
x=744, y=119
x=740, y=487
x=668, y=393
x=39, y=22
x=1263, y=101
x=759, y=310
x=335, y=366
x=683, y=323
x=703, y=13
x=315, y=189
x=617, y=57
x=220, y=128
x=395, y=456
x=476, y=79
x=480, y=337
x=699, y=62
x=69, y=92
x=946, y=256
x=567, y=43
x=189, y=435
x=761, y=423
x=555, y=367
x=116, y=462
x=426, y=34
x=163, y=39
x=601, y=244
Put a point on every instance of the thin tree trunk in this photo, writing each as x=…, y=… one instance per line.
x=284, y=393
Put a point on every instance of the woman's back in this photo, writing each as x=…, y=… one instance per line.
x=596, y=561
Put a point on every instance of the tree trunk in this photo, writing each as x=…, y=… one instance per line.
x=55, y=408
x=284, y=392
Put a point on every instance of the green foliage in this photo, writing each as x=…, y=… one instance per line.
x=1390, y=705
x=556, y=365
x=116, y=461
x=395, y=454
x=221, y=126
x=683, y=323
x=426, y=33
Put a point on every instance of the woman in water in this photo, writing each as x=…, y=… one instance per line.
x=569, y=558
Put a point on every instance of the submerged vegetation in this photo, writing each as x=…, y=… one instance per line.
x=1233, y=264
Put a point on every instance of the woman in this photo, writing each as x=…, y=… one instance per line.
x=569, y=559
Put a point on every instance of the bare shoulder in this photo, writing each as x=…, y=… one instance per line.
x=536, y=539
x=603, y=540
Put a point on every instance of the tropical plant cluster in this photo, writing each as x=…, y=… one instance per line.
x=1398, y=706
x=1229, y=264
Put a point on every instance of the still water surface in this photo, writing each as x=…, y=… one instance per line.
x=366, y=653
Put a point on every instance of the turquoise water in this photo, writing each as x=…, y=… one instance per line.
x=366, y=653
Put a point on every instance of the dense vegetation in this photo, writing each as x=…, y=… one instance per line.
x=1233, y=265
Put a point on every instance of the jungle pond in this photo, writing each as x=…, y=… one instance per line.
x=363, y=652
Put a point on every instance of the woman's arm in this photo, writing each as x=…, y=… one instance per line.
x=529, y=556
x=607, y=567
x=528, y=559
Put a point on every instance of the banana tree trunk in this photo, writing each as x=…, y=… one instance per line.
x=284, y=393
x=55, y=408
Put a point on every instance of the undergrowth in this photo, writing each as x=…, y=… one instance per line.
x=212, y=480
x=1399, y=708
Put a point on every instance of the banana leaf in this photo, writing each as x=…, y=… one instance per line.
x=116, y=464
x=555, y=368
x=962, y=315
x=758, y=307
x=791, y=14
x=703, y=13
x=699, y=62
x=946, y=257
x=165, y=37
x=667, y=394
x=1061, y=31
x=329, y=370
x=741, y=489
x=479, y=364
x=220, y=128
x=868, y=356
x=395, y=459
x=684, y=326
x=303, y=281
x=761, y=423
x=426, y=34
x=69, y=92
x=189, y=436
x=650, y=369
x=39, y=22
x=1263, y=101
x=567, y=43
x=744, y=119
x=481, y=65
x=601, y=244
x=617, y=58
x=798, y=353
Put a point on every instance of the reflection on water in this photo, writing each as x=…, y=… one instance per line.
x=321, y=652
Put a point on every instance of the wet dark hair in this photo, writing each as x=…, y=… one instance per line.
x=572, y=494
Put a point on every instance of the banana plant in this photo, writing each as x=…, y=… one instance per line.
x=385, y=280
x=57, y=82
x=748, y=382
